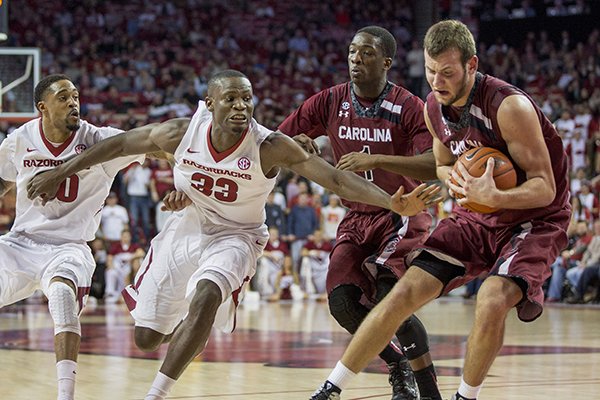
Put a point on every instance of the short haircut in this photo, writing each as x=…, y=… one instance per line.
x=227, y=73
x=42, y=87
x=447, y=35
x=388, y=42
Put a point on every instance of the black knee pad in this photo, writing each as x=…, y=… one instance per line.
x=413, y=338
x=345, y=307
x=384, y=283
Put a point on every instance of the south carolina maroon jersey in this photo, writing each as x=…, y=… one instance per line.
x=227, y=188
x=75, y=213
x=476, y=125
x=392, y=125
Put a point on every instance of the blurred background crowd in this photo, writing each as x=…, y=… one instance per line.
x=140, y=61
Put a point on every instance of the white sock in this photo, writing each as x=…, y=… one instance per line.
x=160, y=387
x=341, y=376
x=468, y=391
x=66, y=372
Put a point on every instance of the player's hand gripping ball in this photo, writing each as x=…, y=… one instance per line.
x=475, y=161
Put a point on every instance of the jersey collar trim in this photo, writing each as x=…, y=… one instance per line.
x=372, y=111
x=55, y=150
x=218, y=157
x=465, y=116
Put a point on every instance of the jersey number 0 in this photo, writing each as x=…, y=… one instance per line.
x=67, y=191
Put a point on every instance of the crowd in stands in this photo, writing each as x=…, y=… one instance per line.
x=137, y=67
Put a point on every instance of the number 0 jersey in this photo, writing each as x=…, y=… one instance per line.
x=75, y=213
x=227, y=188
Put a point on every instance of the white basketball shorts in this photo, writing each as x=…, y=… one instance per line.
x=27, y=264
x=179, y=257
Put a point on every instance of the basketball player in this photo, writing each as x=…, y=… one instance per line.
x=514, y=246
x=196, y=266
x=46, y=247
x=376, y=128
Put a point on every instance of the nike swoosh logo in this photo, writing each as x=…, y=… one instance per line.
x=29, y=150
x=192, y=151
x=469, y=157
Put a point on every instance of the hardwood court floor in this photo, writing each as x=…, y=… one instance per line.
x=285, y=350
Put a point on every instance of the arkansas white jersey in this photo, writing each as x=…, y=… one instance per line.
x=75, y=213
x=227, y=188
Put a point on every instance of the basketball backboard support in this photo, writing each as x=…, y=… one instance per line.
x=3, y=20
x=20, y=69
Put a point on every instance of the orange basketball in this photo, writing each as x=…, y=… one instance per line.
x=475, y=161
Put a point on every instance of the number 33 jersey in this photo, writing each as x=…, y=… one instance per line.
x=227, y=188
x=74, y=215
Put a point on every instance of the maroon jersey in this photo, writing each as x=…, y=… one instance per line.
x=277, y=246
x=392, y=125
x=476, y=125
x=122, y=255
x=324, y=248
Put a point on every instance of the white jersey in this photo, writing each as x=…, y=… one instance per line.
x=228, y=188
x=75, y=213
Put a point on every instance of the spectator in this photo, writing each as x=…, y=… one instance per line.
x=137, y=181
x=302, y=222
x=579, y=212
x=416, y=68
x=121, y=266
x=577, y=181
x=331, y=216
x=275, y=215
x=588, y=199
x=567, y=260
x=114, y=219
x=285, y=284
x=275, y=256
x=314, y=265
x=590, y=258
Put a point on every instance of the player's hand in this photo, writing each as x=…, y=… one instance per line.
x=307, y=144
x=416, y=201
x=356, y=162
x=44, y=185
x=175, y=201
x=478, y=190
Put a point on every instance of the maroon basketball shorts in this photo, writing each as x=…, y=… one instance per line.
x=459, y=250
x=367, y=240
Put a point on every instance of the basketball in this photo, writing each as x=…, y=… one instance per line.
x=475, y=161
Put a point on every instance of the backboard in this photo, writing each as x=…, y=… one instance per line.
x=19, y=73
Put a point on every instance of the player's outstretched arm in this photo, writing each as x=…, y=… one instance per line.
x=420, y=167
x=281, y=151
x=307, y=143
x=150, y=138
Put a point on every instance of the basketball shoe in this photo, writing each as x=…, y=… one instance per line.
x=402, y=380
x=457, y=396
x=327, y=391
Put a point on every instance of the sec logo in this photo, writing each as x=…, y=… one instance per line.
x=80, y=148
x=243, y=163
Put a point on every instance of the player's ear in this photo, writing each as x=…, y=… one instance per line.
x=41, y=106
x=387, y=63
x=210, y=103
x=472, y=65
